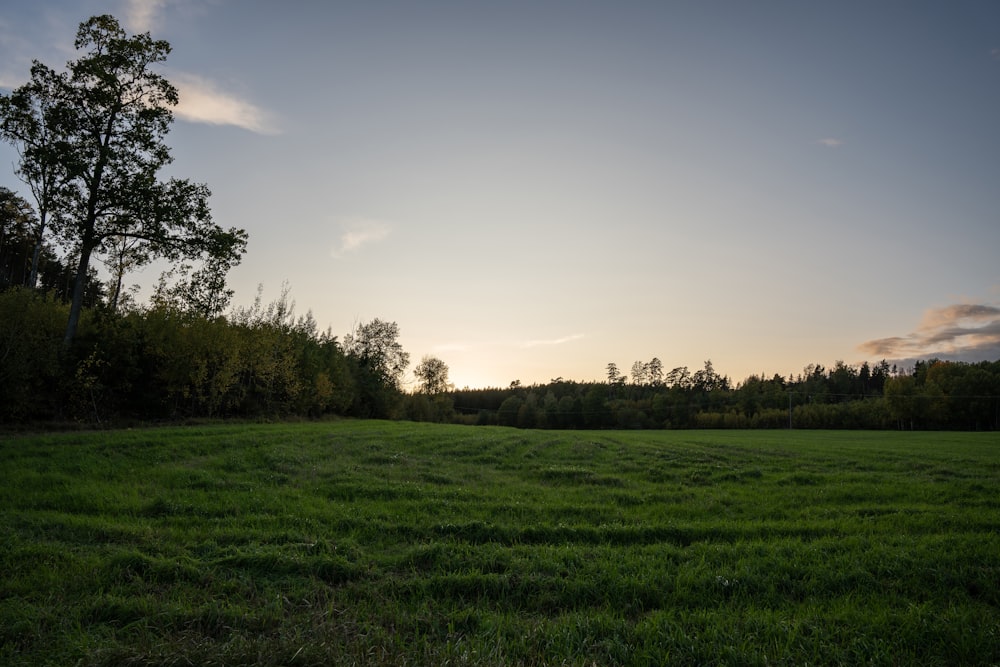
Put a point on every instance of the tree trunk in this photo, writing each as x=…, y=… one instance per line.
x=33, y=278
x=118, y=290
x=88, y=241
x=79, y=288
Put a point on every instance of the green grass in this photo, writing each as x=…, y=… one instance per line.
x=395, y=543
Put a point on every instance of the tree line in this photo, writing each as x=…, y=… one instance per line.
x=167, y=361
x=78, y=348
x=933, y=394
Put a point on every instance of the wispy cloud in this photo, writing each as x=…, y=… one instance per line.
x=358, y=232
x=202, y=101
x=554, y=341
x=141, y=14
x=995, y=53
x=830, y=142
x=466, y=346
x=963, y=331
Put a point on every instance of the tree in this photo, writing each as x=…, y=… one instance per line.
x=843, y=381
x=638, y=373
x=202, y=292
x=432, y=373
x=616, y=379
x=901, y=397
x=654, y=372
x=376, y=348
x=30, y=369
x=568, y=412
x=679, y=378
x=508, y=411
x=107, y=117
x=124, y=254
x=613, y=373
x=707, y=380
x=594, y=408
x=15, y=239
x=29, y=121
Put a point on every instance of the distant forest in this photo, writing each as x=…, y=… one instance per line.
x=76, y=349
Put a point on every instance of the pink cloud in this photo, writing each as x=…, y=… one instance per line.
x=959, y=331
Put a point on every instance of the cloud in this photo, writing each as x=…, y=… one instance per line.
x=995, y=53
x=358, y=232
x=201, y=101
x=959, y=332
x=830, y=142
x=464, y=346
x=140, y=14
x=967, y=312
x=555, y=341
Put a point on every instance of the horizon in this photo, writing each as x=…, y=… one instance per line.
x=532, y=192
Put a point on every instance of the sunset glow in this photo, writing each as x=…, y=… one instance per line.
x=534, y=191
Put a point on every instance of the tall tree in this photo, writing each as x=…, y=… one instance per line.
x=376, y=347
x=432, y=373
x=679, y=378
x=654, y=371
x=708, y=380
x=377, y=362
x=31, y=121
x=638, y=373
x=109, y=115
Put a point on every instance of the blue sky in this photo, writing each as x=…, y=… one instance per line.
x=535, y=189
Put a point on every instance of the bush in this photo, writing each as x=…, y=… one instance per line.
x=31, y=334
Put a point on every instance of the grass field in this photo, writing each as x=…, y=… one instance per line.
x=396, y=543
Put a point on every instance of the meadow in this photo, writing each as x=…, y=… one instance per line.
x=370, y=543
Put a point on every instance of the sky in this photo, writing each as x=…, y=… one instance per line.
x=532, y=190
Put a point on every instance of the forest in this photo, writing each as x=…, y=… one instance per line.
x=76, y=346
x=163, y=361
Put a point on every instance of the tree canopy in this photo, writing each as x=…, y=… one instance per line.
x=376, y=347
x=91, y=144
x=432, y=374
